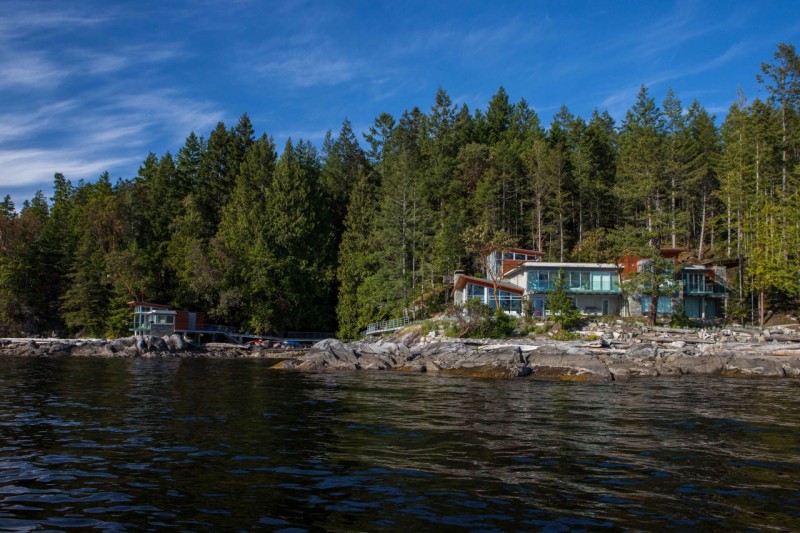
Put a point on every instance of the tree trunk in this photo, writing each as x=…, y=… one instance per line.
x=652, y=314
x=702, y=229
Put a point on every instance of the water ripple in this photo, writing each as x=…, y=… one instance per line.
x=232, y=445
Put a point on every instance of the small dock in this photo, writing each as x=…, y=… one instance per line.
x=219, y=333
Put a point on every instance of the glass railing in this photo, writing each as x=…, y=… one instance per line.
x=547, y=286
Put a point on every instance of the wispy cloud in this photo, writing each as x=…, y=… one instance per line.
x=33, y=166
x=306, y=69
x=29, y=70
x=20, y=19
x=86, y=108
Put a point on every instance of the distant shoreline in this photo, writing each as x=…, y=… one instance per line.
x=481, y=358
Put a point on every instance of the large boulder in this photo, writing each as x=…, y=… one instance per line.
x=745, y=365
x=550, y=362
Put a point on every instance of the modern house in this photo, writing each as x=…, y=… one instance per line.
x=525, y=281
x=702, y=289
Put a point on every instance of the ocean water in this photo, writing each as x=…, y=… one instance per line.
x=227, y=445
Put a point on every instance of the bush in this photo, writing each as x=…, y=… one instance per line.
x=504, y=325
x=476, y=320
x=562, y=309
x=426, y=327
x=451, y=329
x=565, y=335
x=679, y=318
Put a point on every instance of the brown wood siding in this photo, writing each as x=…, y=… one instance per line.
x=511, y=264
x=182, y=320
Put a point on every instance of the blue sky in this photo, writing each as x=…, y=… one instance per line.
x=88, y=86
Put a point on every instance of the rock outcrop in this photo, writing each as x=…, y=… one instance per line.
x=137, y=346
x=605, y=359
x=573, y=361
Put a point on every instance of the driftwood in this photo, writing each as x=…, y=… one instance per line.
x=677, y=331
x=687, y=340
x=749, y=331
x=784, y=338
x=788, y=353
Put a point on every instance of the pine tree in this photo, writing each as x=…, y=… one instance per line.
x=357, y=259
x=641, y=183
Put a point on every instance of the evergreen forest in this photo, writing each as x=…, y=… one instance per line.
x=331, y=238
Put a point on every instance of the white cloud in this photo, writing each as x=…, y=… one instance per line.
x=307, y=69
x=29, y=70
x=33, y=166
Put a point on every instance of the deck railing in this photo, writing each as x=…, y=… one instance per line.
x=387, y=325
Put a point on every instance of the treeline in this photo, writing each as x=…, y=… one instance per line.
x=334, y=239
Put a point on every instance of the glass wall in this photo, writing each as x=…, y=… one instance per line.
x=509, y=301
x=577, y=281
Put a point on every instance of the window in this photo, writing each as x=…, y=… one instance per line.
x=508, y=301
x=664, y=305
x=476, y=291
x=601, y=281
x=540, y=280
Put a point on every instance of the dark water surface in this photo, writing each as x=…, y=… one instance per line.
x=135, y=444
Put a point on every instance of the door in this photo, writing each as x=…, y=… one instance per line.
x=538, y=307
x=604, y=304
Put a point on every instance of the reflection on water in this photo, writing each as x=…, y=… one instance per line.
x=207, y=444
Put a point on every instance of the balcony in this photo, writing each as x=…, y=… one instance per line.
x=583, y=288
x=705, y=289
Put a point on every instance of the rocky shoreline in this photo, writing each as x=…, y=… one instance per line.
x=608, y=355
x=138, y=346
x=554, y=360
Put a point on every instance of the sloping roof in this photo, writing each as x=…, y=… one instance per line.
x=462, y=281
x=524, y=251
x=148, y=304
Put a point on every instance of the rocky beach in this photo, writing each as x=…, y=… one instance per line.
x=610, y=353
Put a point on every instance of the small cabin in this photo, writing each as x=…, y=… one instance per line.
x=160, y=320
x=152, y=319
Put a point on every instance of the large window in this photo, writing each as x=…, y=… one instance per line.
x=664, y=305
x=541, y=281
x=476, y=291
x=601, y=281
x=694, y=282
x=508, y=301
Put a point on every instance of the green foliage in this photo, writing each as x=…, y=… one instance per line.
x=426, y=327
x=565, y=335
x=679, y=318
x=351, y=236
x=656, y=279
x=451, y=329
x=736, y=310
x=476, y=320
x=562, y=309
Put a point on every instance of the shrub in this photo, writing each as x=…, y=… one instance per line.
x=562, y=309
x=426, y=327
x=679, y=318
x=476, y=320
x=504, y=325
x=565, y=335
x=451, y=329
